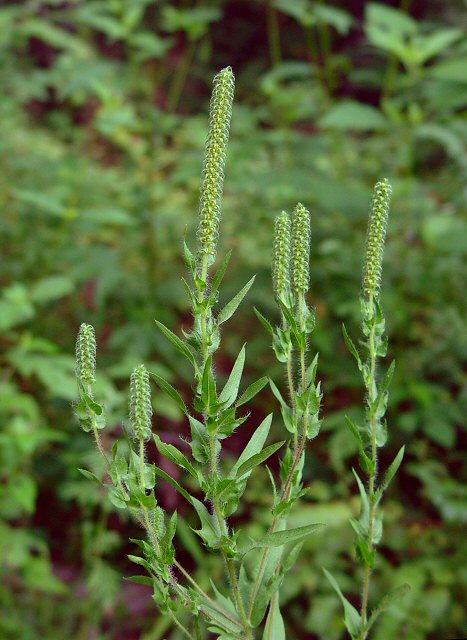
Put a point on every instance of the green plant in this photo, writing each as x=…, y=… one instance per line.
x=373, y=433
x=255, y=580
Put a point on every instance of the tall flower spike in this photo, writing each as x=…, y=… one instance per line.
x=376, y=236
x=301, y=238
x=86, y=354
x=212, y=179
x=281, y=257
x=140, y=403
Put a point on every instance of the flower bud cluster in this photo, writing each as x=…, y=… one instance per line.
x=214, y=161
x=281, y=257
x=301, y=238
x=140, y=403
x=376, y=236
x=86, y=354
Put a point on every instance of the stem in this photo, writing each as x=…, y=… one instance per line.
x=95, y=431
x=180, y=625
x=371, y=390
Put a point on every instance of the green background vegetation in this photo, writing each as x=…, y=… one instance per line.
x=103, y=118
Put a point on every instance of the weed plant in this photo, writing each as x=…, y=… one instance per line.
x=255, y=568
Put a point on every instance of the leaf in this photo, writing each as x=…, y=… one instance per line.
x=350, y=115
x=232, y=306
x=141, y=580
x=90, y=476
x=365, y=513
x=387, y=601
x=274, y=628
x=255, y=444
x=251, y=391
x=352, y=619
x=351, y=347
x=279, y=538
x=266, y=324
x=219, y=275
x=258, y=458
x=390, y=473
x=170, y=391
x=230, y=390
x=172, y=453
x=177, y=343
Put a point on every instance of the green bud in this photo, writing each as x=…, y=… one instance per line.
x=301, y=238
x=140, y=403
x=281, y=257
x=376, y=235
x=214, y=161
x=86, y=354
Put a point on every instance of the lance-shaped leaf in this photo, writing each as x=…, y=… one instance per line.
x=230, y=308
x=219, y=275
x=390, y=473
x=177, y=343
x=279, y=538
x=170, y=391
x=90, y=476
x=174, y=455
x=352, y=618
x=229, y=393
x=351, y=347
x=255, y=444
x=258, y=458
x=264, y=321
x=252, y=390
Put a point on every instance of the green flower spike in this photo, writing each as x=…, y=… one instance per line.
x=281, y=257
x=301, y=238
x=140, y=403
x=86, y=354
x=214, y=161
x=376, y=235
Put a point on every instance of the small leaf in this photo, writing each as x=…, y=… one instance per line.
x=258, y=458
x=252, y=390
x=232, y=306
x=230, y=391
x=172, y=453
x=279, y=538
x=177, y=343
x=90, y=476
x=141, y=580
x=255, y=444
x=351, y=347
x=353, y=620
x=170, y=391
x=390, y=473
x=266, y=324
x=216, y=281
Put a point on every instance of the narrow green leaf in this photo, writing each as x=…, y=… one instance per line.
x=382, y=393
x=279, y=538
x=141, y=580
x=189, y=257
x=174, y=455
x=218, y=277
x=353, y=620
x=390, y=473
x=264, y=321
x=351, y=347
x=258, y=458
x=232, y=306
x=365, y=514
x=177, y=343
x=90, y=476
x=230, y=391
x=255, y=444
x=252, y=390
x=170, y=391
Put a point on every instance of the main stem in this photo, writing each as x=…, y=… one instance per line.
x=371, y=390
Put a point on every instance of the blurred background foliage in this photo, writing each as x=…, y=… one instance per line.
x=102, y=124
